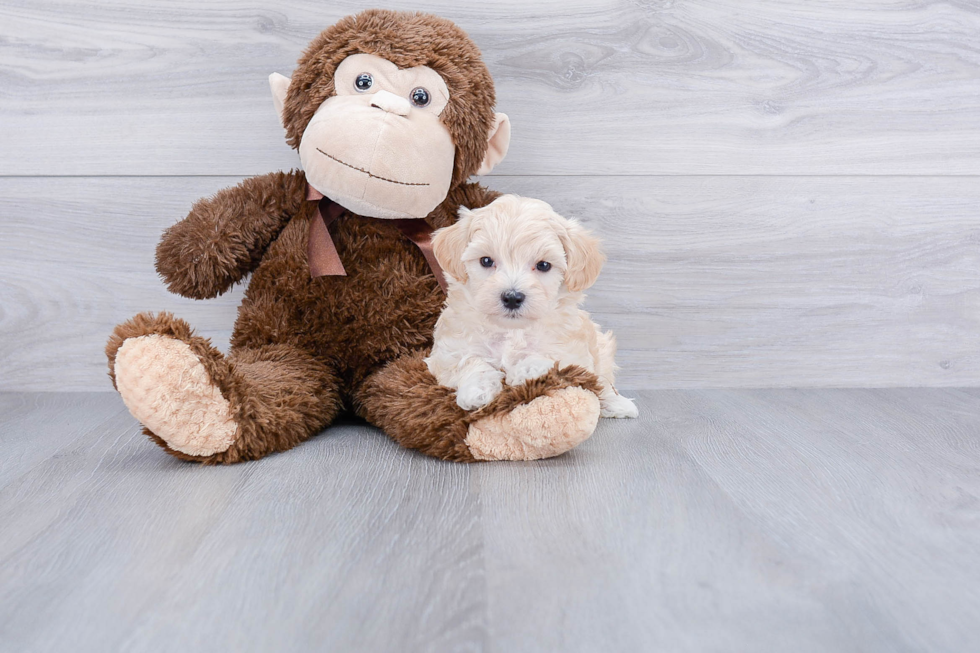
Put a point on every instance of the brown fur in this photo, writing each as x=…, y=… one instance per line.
x=404, y=396
x=305, y=349
x=555, y=380
x=406, y=40
x=225, y=236
x=275, y=385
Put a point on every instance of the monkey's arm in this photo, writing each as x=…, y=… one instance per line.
x=223, y=238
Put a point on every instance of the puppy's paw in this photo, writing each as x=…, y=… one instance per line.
x=532, y=367
x=616, y=405
x=479, y=390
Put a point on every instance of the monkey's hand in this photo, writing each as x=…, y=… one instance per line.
x=223, y=238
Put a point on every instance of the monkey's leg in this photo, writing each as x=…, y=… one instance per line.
x=199, y=405
x=540, y=419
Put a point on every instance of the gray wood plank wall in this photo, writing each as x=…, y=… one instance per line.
x=788, y=191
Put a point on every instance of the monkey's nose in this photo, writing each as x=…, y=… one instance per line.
x=512, y=299
x=388, y=101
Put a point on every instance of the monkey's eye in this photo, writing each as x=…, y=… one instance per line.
x=363, y=82
x=420, y=97
x=542, y=266
x=486, y=262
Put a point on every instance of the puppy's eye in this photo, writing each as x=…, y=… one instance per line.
x=542, y=266
x=486, y=262
x=363, y=82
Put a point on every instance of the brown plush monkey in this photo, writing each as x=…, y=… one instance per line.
x=391, y=114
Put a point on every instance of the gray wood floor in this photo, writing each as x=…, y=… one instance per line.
x=721, y=520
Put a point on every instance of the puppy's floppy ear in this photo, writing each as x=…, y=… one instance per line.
x=583, y=256
x=448, y=244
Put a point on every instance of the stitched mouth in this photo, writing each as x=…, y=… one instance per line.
x=368, y=172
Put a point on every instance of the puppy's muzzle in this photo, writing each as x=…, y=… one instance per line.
x=512, y=299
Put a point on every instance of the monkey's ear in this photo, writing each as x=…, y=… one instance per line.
x=449, y=243
x=497, y=144
x=279, y=84
x=583, y=255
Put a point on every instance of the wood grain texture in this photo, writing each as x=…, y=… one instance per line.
x=721, y=520
x=134, y=87
x=854, y=510
x=28, y=441
x=353, y=544
x=712, y=281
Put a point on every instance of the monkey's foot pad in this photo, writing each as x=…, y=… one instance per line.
x=167, y=389
x=545, y=427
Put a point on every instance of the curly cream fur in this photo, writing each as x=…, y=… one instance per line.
x=480, y=344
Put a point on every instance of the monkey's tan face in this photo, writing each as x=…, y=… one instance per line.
x=378, y=146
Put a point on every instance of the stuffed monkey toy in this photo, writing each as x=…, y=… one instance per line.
x=391, y=113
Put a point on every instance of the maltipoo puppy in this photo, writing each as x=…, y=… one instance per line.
x=516, y=272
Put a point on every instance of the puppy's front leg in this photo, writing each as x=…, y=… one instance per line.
x=530, y=367
x=479, y=384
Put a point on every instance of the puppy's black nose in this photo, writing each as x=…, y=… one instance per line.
x=512, y=299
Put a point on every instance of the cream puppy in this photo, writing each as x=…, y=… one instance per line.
x=516, y=272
